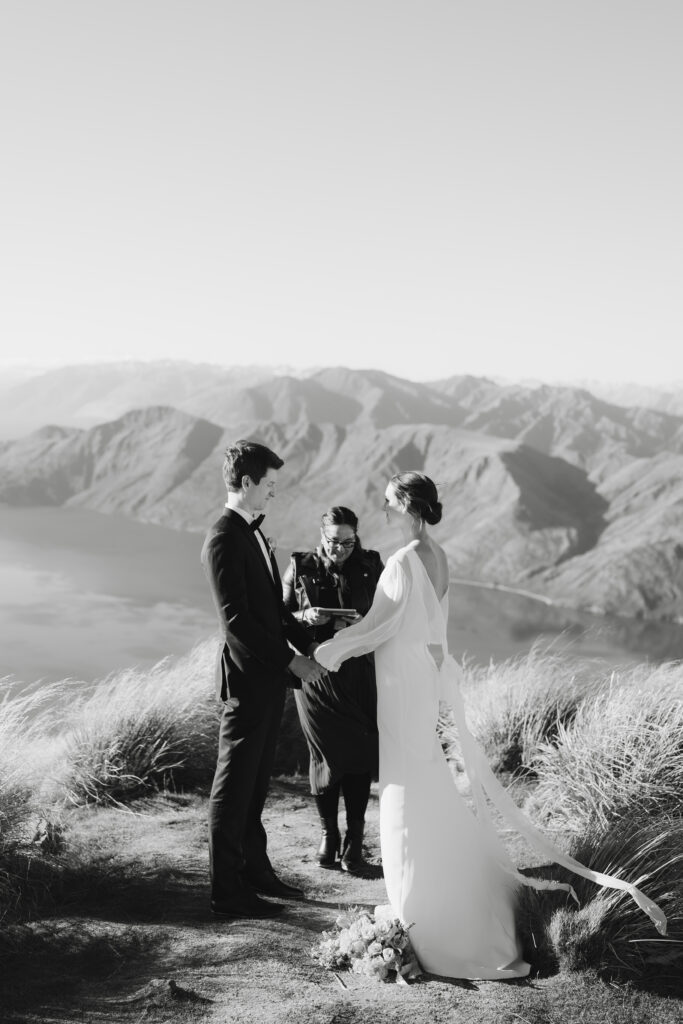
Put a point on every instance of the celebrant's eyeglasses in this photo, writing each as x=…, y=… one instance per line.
x=346, y=544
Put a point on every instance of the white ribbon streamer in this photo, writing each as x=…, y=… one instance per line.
x=484, y=783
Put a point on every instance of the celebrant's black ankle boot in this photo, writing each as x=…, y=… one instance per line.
x=352, y=851
x=330, y=843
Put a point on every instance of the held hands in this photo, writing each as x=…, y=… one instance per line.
x=306, y=669
x=313, y=651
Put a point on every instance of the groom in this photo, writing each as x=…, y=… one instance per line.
x=255, y=665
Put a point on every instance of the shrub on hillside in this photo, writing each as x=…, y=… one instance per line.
x=607, y=756
x=25, y=825
x=623, y=751
x=143, y=730
x=16, y=775
x=514, y=706
x=609, y=932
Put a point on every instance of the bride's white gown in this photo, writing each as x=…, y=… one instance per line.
x=446, y=872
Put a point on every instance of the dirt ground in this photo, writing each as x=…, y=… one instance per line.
x=132, y=940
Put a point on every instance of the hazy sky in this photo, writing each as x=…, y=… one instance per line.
x=429, y=187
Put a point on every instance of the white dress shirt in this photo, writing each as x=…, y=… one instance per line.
x=248, y=518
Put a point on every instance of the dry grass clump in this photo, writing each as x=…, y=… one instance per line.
x=15, y=765
x=516, y=705
x=609, y=933
x=623, y=752
x=135, y=732
x=613, y=779
x=605, y=760
x=143, y=730
x=25, y=826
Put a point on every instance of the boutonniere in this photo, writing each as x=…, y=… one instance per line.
x=272, y=545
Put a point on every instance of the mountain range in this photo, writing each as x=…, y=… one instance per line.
x=548, y=489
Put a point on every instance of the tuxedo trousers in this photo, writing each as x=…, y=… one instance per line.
x=246, y=754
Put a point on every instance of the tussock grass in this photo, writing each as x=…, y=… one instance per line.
x=133, y=733
x=604, y=760
x=16, y=772
x=609, y=933
x=25, y=824
x=143, y=730
x=516, y=705
x=622, y=753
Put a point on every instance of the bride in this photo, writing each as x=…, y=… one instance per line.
x=446, y=871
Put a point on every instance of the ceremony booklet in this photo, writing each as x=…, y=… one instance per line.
x=344, y=613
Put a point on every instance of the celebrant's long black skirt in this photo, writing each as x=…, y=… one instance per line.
x=338, y=717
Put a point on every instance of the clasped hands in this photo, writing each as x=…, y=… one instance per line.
x=305, y=668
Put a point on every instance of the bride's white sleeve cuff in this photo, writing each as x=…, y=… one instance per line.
x=325, y=657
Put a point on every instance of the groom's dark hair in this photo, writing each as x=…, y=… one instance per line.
x=248, y=458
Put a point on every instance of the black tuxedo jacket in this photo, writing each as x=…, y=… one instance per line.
x=252, y=661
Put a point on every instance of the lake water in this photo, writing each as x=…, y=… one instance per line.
x=84, y=594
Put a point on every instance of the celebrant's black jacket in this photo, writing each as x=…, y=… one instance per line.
x=311, y=580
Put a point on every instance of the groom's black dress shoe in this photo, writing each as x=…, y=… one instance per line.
x=268, y=884
x=245, y=904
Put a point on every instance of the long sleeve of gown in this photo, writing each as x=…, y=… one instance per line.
x=381, y=622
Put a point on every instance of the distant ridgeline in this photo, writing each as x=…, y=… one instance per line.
x=548, y=489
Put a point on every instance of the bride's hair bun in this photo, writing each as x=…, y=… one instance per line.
x=418, y=495
x=432, y=514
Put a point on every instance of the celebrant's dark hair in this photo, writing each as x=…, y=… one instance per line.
x=340, y=515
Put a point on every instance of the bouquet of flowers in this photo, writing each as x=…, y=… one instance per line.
x=368, y=944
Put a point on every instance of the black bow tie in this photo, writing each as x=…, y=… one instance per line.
x=255, y=523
